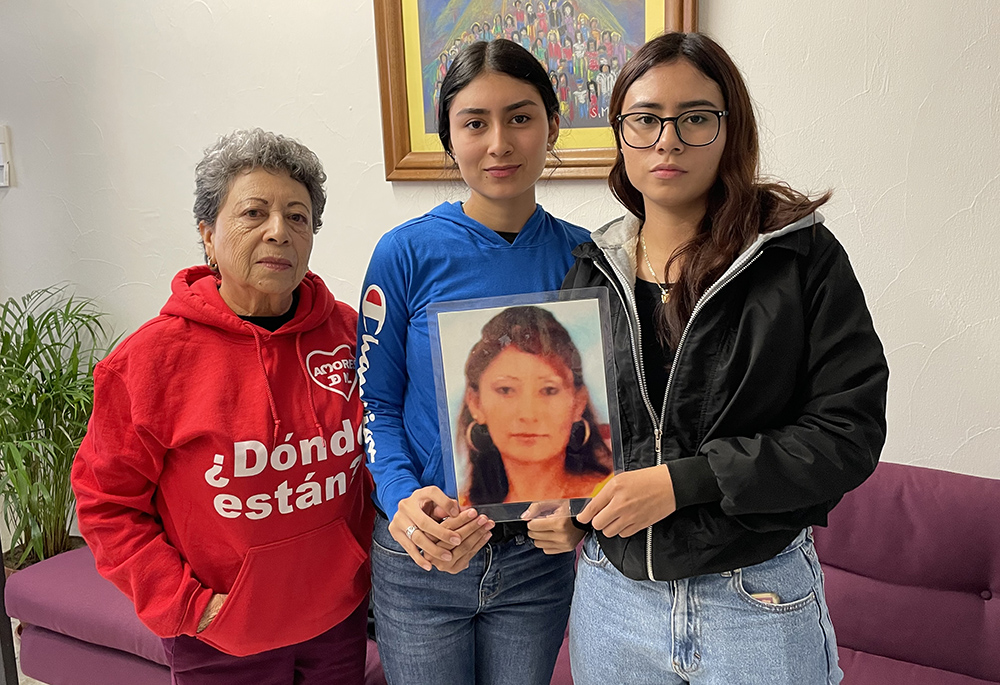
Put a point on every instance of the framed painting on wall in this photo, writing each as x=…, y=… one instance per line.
x=582, y=44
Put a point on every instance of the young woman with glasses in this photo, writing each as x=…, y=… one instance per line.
x=458, y=600
x=751, y=388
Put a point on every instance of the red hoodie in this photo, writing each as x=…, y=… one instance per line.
x=224, y=458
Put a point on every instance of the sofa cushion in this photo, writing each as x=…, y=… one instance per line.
x=59, y=660
x=912, y=565
x=66, y=595
x=861, y=668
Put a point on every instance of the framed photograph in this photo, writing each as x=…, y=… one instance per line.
x=526, y=401
x=581, y=43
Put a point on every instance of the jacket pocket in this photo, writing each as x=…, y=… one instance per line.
x=290, y=591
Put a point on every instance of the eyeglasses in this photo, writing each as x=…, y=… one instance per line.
x=697, y=128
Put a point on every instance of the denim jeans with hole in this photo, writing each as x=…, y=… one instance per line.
x=501, y=621
x=707, y=630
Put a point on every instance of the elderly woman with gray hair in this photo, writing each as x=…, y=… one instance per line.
x=221, y=484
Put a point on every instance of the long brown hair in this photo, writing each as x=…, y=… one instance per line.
x=741, y=205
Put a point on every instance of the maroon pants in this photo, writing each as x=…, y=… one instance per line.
x=336, y=656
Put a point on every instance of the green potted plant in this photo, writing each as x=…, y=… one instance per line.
x=49, y=344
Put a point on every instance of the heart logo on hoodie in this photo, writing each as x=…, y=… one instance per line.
x=333, y=371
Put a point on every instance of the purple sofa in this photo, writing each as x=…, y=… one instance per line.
x=912, y=566
x=912, y=563
x=78, y=629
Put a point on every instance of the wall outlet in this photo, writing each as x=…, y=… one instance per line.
x=4, y=156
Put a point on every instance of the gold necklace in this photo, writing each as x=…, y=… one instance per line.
x=664, y=291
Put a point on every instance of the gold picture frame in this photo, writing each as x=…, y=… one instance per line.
x=403, y=163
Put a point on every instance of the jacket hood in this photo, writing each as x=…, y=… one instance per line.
x=618, y=239
x=531, y=233
x=623, y=231
x=195, y=297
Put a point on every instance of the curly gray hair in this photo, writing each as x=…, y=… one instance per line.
x=247, y=149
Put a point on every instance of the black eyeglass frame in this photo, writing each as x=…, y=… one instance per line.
x=672, y=120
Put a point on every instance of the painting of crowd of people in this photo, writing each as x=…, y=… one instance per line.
x=581, y=43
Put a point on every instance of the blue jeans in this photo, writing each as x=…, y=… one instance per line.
x=708, y=629
x=500, y=621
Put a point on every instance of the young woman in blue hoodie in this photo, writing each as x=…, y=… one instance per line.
x=458, y=598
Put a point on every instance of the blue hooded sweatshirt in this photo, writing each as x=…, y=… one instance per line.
x=439, y=257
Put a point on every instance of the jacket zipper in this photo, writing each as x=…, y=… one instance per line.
x=709, y=294
x=658, y=422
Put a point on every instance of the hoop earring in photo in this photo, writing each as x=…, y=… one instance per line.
x=477, y=437
x=575, y=444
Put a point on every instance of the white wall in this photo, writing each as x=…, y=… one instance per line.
x=894, y=105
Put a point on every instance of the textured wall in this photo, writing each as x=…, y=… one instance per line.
x=894, y=105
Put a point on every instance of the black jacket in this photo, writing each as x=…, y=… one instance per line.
x=775, y=405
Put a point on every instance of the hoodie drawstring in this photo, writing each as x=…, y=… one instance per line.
x=267, y=384
x=309, y=383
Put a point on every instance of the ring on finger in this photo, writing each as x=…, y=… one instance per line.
x=410, y=531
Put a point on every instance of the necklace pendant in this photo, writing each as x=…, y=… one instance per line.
x=664, y=296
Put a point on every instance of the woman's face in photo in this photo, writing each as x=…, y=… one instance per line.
x=529, y=405
x=671, y=174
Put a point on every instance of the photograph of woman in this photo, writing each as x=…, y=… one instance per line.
x=751, y=386
x=497, y=119
x=527, y=425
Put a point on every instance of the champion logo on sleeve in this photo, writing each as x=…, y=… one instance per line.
x=373, y=315
x=373, y=310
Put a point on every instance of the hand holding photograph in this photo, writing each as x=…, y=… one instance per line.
x=527, y=407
